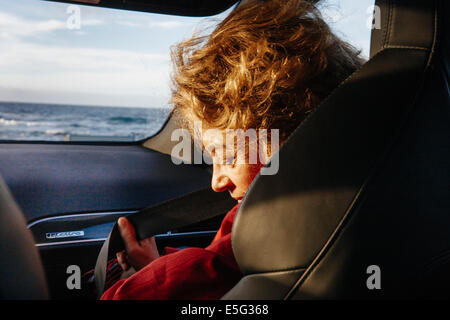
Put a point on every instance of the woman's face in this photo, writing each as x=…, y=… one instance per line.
x=233, y=177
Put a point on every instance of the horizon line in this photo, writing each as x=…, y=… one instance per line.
x=84, y=105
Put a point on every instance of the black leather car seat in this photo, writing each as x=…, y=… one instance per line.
x=364, y=182
x=21, y=272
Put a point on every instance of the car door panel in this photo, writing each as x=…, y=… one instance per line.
x=49, y=179
x=58, y=252
x=73, y=193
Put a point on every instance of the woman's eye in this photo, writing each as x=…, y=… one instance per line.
x=230, y=160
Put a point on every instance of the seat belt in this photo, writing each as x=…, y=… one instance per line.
x=180, y=212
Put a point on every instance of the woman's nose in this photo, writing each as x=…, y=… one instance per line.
x=220, y=181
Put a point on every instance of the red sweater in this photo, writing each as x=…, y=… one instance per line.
x=192, y=273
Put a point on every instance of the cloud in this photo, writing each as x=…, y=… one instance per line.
x=165, y=25
x=17, y=27
x=36, y=66
x=168, y=24
x=128, y=23
x=91, y=22
x=72, y=97
x=82, y=73
x=33, y=59
x=21, y=27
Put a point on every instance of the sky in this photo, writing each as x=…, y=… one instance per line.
x=59, y=53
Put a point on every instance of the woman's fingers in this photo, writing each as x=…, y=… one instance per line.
x=137, y=254
x=149, y=242
x=150, y=245
x=122, y=260
x=128, y=234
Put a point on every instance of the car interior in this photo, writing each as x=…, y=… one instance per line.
x=364, y=181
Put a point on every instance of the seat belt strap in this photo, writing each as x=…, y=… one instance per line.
x=180, y=212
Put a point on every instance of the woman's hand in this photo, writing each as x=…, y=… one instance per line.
x=137, y=254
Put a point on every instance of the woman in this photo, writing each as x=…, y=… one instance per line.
x=266, y=66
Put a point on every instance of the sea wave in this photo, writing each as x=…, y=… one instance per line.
x=24, y=121
x=7, y=122
x=122, y=119
x=55, y=132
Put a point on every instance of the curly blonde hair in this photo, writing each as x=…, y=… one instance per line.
x=265, y=66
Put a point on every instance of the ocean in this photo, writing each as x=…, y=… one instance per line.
x=57, y=122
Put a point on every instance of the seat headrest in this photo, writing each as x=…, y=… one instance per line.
x=402, y=24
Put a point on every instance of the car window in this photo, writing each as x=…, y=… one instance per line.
x=352, y=21
x=73, y=72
